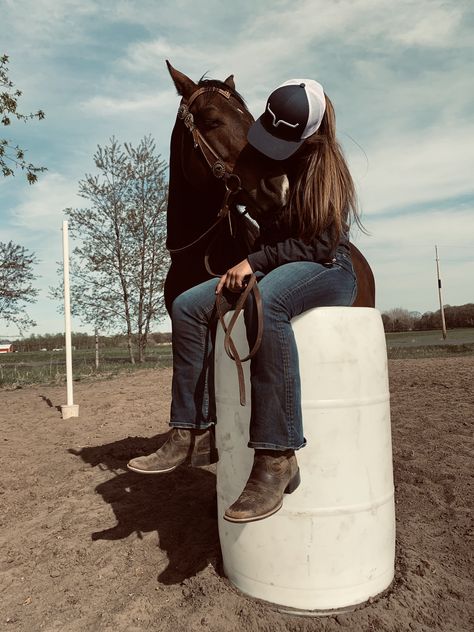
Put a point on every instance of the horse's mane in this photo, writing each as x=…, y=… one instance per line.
x=215, y=83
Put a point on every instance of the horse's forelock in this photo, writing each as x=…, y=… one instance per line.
x=215, y=83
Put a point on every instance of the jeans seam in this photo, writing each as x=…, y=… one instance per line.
x=187, y=424
x=205, y=395
x=354, y=291
x=286, y=377
x=274, y=446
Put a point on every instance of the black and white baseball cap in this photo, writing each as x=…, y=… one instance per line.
x=294, y=111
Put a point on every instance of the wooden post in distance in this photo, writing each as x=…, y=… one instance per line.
x=443, y=321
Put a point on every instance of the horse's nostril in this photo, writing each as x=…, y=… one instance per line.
x=276, y=188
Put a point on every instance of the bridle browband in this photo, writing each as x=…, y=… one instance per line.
x=232, y=185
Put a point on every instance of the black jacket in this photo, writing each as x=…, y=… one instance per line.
x=274, y=248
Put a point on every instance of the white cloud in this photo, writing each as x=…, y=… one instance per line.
x=400, y=236
x=310, y=37
x=401, y=253
x=416, y=23
x=151, y=55
x=437, y=27
x=44, y=22
x=42, y=204
x=415, y=167
x=105, y=106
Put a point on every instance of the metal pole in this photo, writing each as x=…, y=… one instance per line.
x=443, y=321
x=96, y=348
x=70, y=409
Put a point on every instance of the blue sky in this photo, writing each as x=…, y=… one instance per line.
x=399, y=74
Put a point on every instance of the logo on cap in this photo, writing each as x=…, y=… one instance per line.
x=276, y=122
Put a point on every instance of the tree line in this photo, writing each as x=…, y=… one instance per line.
x=81, y=341
x=399, y=319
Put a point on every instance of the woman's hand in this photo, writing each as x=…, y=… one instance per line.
x=234, y=278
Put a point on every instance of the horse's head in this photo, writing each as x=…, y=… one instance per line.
x=217, y=131
x=213, y=127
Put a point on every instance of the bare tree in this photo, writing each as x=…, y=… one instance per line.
x=119, y=265
x=16, y=290
x=399, y=319
x=12, y=156
x=147, y=200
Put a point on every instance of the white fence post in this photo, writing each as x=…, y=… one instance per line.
x=70, y=409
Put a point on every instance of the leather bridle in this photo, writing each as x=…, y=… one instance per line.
x=219, y=168
x=233, y=185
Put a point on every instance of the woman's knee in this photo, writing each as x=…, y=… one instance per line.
x=197, y=302
x=179, y=306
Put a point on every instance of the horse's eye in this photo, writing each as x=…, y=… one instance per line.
x=211, y=123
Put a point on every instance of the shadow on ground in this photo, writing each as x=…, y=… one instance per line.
x=180, y=506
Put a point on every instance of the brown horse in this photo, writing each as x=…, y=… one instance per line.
x=212, y=168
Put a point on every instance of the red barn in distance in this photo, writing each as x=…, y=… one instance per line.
x=6, y=347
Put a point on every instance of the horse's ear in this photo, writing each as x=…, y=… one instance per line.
x=184, y=85
x=230, y=82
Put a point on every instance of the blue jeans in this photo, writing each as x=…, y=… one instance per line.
x=289, y=290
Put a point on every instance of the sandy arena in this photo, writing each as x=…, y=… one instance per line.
x=88, y=546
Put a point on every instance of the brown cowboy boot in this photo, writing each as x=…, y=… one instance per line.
x=273, y=474
x=183, y=445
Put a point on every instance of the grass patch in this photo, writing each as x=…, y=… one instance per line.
x=430, y=344
x=430, y=351
x=49, y=367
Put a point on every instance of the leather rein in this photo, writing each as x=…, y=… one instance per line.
x=232, y=185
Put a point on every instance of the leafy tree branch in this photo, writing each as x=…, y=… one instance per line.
x=16, y=289
x=12, y=156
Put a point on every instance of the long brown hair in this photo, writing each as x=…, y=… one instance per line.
x=323, y=195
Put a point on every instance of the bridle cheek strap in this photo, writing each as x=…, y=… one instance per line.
x=218, y=167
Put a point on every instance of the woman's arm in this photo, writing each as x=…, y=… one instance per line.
x=289, y=250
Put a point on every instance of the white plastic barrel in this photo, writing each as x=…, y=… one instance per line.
x=332, y=545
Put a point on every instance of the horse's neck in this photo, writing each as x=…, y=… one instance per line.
x=190, y=212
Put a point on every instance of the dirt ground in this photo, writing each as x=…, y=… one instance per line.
x=86, y=545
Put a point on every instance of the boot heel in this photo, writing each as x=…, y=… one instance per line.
x=294, y=483
x=198, y=460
